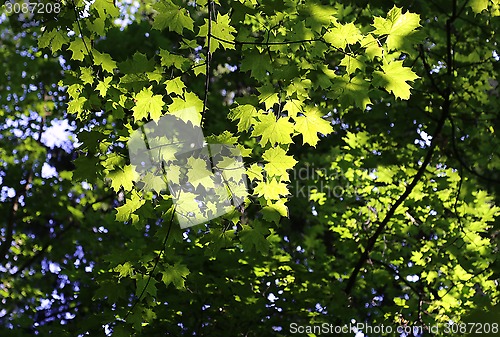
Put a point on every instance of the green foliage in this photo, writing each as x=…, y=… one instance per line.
x=369, y=142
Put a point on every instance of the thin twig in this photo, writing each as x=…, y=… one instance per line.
x=150, y=274
x=77, y=16
x=207, y=62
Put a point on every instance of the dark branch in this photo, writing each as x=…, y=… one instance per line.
x=207, y=62
x=420, y=173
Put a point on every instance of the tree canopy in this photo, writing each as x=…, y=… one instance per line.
x=313, y=164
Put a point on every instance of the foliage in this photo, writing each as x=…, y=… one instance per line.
x=368, y=133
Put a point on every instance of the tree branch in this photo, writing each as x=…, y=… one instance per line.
x=420, y=173
x=207, y=62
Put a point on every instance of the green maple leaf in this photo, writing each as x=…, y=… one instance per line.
x=76, y=105
x=478, y=5
x=198, y=173
x=103, y=86
x=278, y=163
x=271, y=189
x=175, y=86
x=145, y=281
x=274, y=211
x=188, y=108
x=147, y=103
x=317, y=16
x=294, y=107
x=105, y=61
x=87, y=77
x=78, y=49
x=311, y=124
x=268, y=96
x=153, y=182
x=342, y=35
x=254, y=238
x=187, y=207
x=123, y=178
x=124, y=269
x=393, y=78
x=372, y=47
x=245, y=113
x=254, y=172
x=224, y=138
x=125, y=211
x=175, y=274
x=351, y=91
x=273, y=130
x=257, y=63
x=397, y=27
x=47, y=36
x=60, y=39
x=55, y=39
x=172, y=16
x=106, y=8
x=177, y=61
x=222, y=29
x=352, y=63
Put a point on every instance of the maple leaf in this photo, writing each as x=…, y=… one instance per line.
x=104, y=60
x=103, y=86
x=106, y=8
x=175, y=86
x=352, y=63
x=222, y=29
x=78, y=49
x=55, y=39
x=125, y=211
x=76, y=105
x=397, y=27
x=257, y=63
x=268, y=96
x=310, y=125
x=245, y=113
x=342, y=35
x=271, y=189
x=254, y=238
x=254, y=172
x=351, y=91
x=274, y=211
x=147, y=103
x=124, y=269
x=393, y=78
x=478, y=5
x=87, y=77
x=319, y=15
x=172, y=16
x=145, y=284
x=272, y=130
x=175, y=274
x=293, y=106
x=187, y=209
x=123, y=178
x=278, y=163
x=198, y=173
x=372, y=46
x=187, y=109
